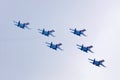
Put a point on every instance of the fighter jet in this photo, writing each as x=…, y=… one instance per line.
x=78, y=32
x=97, y=63
x=85, y=49
x=46, y=32
x=22, y=25
x=54, y=46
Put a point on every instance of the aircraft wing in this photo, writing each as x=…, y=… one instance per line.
x=60, y=49
x=71, y=29
x=90, y=59
x=28, y=28
x=103, y=65
x=91, y=51
x=52, y=35
x=84, y=35
x=78, y=45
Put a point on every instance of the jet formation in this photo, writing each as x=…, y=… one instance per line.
x=85, y=49
x=97, y=63
x=78, y=32
x=22, y=25
x=46, y=32
x=57, y=46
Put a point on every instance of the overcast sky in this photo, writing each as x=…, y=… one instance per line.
x=25, y=56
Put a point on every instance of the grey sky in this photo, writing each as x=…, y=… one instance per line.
x=24, y=55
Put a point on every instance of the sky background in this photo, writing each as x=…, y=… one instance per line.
x=25, y=56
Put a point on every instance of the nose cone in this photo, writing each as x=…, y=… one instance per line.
x=27, y=23
x=90, y=46
x=103, y=60
x=59, y=44
x=52, y=30
x=84, y=29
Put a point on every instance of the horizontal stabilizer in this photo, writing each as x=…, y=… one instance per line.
x=71, y=29
x=47, y=43
x=28, y=28
x=78, y=45
x=90, y=59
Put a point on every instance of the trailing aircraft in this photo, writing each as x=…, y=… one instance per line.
x=46, y=32
x=85, y=49
x=97, y=63
x=54, y=46
x=78, y=32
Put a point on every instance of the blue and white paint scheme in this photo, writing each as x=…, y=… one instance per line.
x=78, y=32
x=22, y=25
x=46, y=32
x=97, y=63
x=85, y=49
x=54, y=46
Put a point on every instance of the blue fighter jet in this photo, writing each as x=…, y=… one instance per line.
x=54, y=46
x=47, y=32
x=78, y=32
x=22, y=25
x=97, y=63
x=85, y=49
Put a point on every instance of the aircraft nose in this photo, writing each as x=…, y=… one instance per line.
x=27, y=23
x=102, y=60
x=60, y=44
x=52, y=30
x=84, y=29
